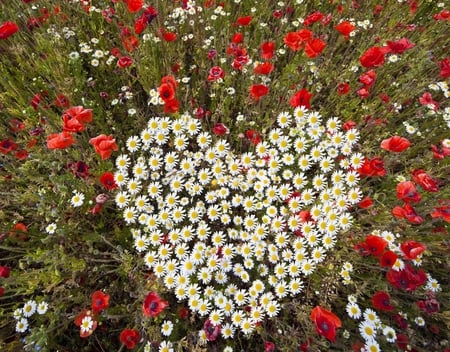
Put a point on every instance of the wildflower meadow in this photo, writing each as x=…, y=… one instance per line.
x=227, y=175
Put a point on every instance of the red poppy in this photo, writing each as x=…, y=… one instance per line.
x=166, y=92
x=183, y=312
x=60, y=140
x=424, y=180
x=237, y=38
x=427, y=100
x=343, y=88
x=440, y=153
x=7, y=146
x=216, y=73
x=107, y=180
x=134, y=5
x=301, y=98
x=400, y=46
x=62, y=101
x=7, y=29
x=429, y=306
x=220, y=129
x=211, y=330
x=244, y=21
x=382, y=301
x=325, y=322
x=4, y=271
x=372, y=167
x=16, y=125
x=444, y=15
x=374, y=56
x=153, y=305
x=171, y=106
x=442, y=212
x=368, y=78
x=313, y=18
x=348, y=125
x=406, y=279
x=267, y=50
x=269, y=346
x=169, y=36
x=72, y=125
x=363, y=92
x=129, y=337
x=100, y=301
x=253, y=136
x=104, y=145
x=407, y=212
x=345, y=28
x=169, y=79
x=21, y=154
x=79, y=169
x=375, y=245
x=258, y=90
x=412, y=249
x=124, y=61
x=130, y=43
x=365, y=203
x=388, y=259
x=263, y=69
x=314, y=47
x=293, y=41
x=79, y=319
x=406, y=191
x=444, y=65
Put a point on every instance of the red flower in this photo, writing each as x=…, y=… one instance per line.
x=237, y=38
x=412, y=249
x=313, y=17
x=407, y=212
x=258, y=90
x=7, y=146
x=372, y=167
x=215, y=73
x=406, y=191
x=442, y=212
x=267, y=50
x=79, y=169
x=134, y=5
x=263, y=68
x=445, y=66
x=130, y=43
x=100, y=301
x=211, y=331
x=301, y=98
x=124, y=61
x=444, y=15
x=440, y=153
x=62, y=101
x=153, y=305
x=427, y=99
x=375, y=245
x=381, y=301
x=345, y=28
x=166, y=92
x=269, y=346
x=365, y=203
x=429, y=306
x=171, y=106
x=374, y=56
x=21, y=154
x=406, y=279
x=326, y=322
x=363, y=92
x=368, y=78
x=348, y=125
x=293, y=41
x=314, y=47
x=220, y=129
x=388, y=259
x=424, y=180
x=129, y=337
x=60, y=140
x=107, y=180
x=7, y=29
x=2, y=291
x=169, y=36
x=400, y=46
x=343, y=88
x=244, y=21
x=79, y=319
x=253, y=136
x=4, y=271
x=104, y=145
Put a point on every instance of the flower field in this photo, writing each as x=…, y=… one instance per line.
x=228, y=175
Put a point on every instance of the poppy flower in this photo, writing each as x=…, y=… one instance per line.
x=348, y=125
x=60, y=140
x=166, y=92
x=400, y=46
x=382, y=301
x=269, y=346
x=301, y=98
x=375, y=245
x=429, y=306
x=294, y=41
x=237, y=38
x=124, y=61
x=79, y=321
x=374, y=57
x=104, y=145
x=365, y=203
x=107, y=180
x=129, y=337
x=253, y=136
x=313, y=18
x=427, y=100
x=368, y=78
x=412, y=249
x=388, y=259
x=406, y=191
x=169, y=36
x=406, y=279
x=363, y=92
x=258, y=90
x=4, y=271
x=21, y=154
x=442, y=212
x=62, y=101
x=444, y=15
x=171, y=106
x=263, y=68
x=345, y=28
x=79, y=169
x=7, y=29
x=100, y=301
x=220, y=129
x=72, y=125
x=153, y=305
x=424, y=180
x=7, y=146
x=343, y=88
x=134, y=5
x=325, y=322
x=216, y=73
x=372, y=167
x=211, y=331
x=440, y=153
x=444, y=65
x=408, y=213
x=244, y=21
x=130, y=43
x=267, y=50
x=314, y=47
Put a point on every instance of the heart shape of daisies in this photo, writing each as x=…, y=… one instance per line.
x=236, y=233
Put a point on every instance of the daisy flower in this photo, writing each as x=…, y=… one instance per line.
x=29, y=308
x=167, y=328
x=51, y=228
x=133, y=144
x=22, y=325
x=353, y=310
x=77, y=199
x=42, y=308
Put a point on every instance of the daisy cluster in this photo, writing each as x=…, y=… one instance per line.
x=27, y=311
x=227, y=231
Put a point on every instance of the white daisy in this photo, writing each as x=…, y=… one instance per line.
x=77, y=199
